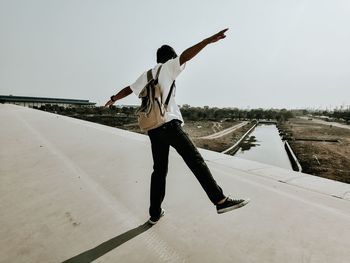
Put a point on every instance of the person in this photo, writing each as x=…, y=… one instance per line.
x=172, y=134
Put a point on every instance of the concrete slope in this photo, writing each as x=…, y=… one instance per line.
x=76, y=191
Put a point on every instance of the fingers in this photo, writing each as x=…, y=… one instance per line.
x=218, y=36
x=222, y=33
x=107, y=106
x=109, y=103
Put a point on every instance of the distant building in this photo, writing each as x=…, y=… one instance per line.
x=39, y=101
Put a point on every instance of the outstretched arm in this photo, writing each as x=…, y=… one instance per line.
x=121, y=94
x=189, y=53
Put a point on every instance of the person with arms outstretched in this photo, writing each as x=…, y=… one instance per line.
x=172, y=134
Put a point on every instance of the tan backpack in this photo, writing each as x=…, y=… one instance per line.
x=151, y=113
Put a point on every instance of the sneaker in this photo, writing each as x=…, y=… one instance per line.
x=153, y=220
x=230, y=204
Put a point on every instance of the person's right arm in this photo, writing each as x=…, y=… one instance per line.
x=191, y=52
x=121, y=94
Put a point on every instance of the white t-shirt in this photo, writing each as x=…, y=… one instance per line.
x=168, y=73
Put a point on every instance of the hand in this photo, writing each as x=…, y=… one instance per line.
x=217, y=36
x=109, y=103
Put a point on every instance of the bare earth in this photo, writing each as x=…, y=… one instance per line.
x=326, y=159
x=224, y=132
x=228, y=134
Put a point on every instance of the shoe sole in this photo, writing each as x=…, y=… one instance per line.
x=227, y=209
x=155, y=222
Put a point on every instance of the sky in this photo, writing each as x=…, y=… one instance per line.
x=277, y=53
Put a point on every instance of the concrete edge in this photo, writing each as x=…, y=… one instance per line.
x=298, y=179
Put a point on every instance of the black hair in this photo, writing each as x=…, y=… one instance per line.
x=164, y=53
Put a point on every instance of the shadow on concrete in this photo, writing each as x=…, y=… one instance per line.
x=105, y=247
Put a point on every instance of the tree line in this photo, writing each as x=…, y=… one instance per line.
x=345, y=115
x=336, y=115
x=215, y=113
x=188, y=112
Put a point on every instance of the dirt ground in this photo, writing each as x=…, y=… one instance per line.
x=224, y=142
x=203, y=128
x=330, y=158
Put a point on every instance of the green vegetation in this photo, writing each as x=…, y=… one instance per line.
x=115, y=117
x=207, y=113
x=342, y=115
x=118, y=116
x=339, y=115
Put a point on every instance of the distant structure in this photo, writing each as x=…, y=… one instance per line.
x=39, y=101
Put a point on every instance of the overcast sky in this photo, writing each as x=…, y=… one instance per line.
x=278, y=53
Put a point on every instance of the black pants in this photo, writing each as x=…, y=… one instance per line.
x=171, y=134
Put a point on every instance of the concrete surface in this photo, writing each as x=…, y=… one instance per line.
x=76, y=191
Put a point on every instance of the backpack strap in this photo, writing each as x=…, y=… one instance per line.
x=170, y=91
x=158, y=71
x=150, y=76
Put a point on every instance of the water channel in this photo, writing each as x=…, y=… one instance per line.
x=264, y=145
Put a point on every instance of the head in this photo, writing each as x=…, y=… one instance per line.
x=164, y=53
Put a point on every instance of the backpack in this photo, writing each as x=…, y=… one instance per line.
x=151, y=113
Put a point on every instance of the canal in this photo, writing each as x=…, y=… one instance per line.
x=264, y=145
